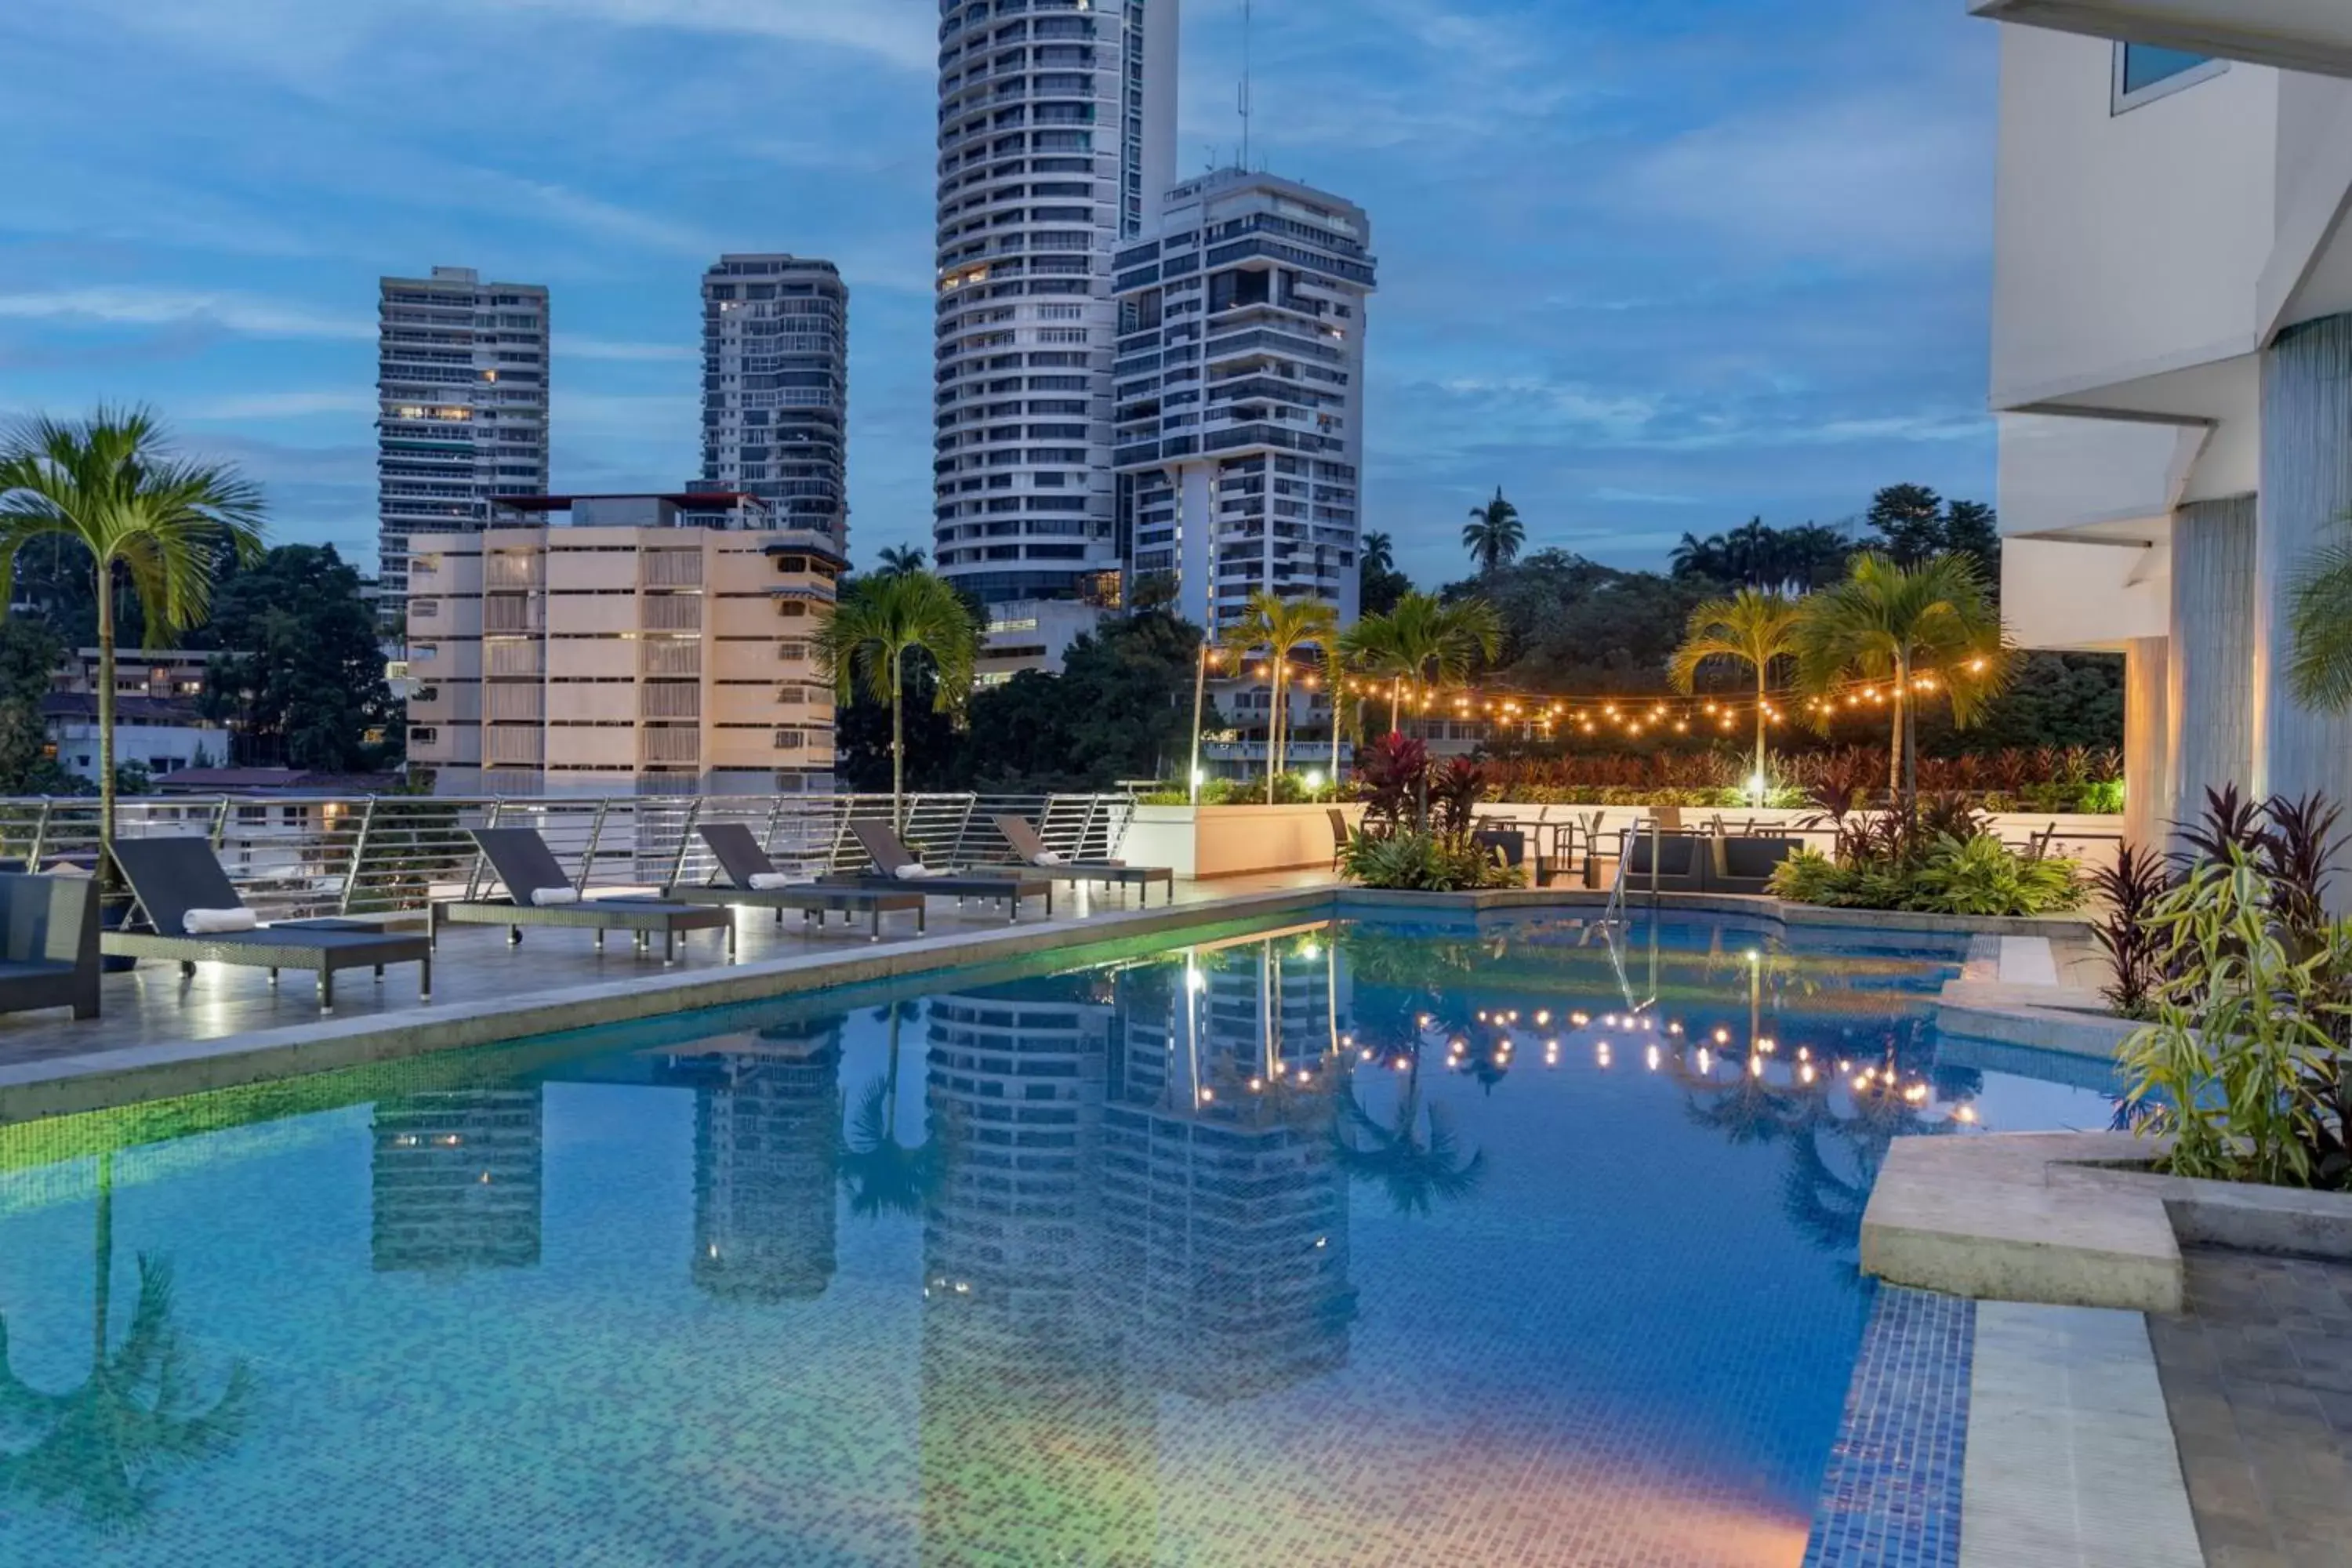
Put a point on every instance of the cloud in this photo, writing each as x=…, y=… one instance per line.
x=901, y=33
x=572, y=345
x=280, y=404
x=1642, y=498
x=142, y=307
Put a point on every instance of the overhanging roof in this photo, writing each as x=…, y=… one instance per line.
x=2312, y=35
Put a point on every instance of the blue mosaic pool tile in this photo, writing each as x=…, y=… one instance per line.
x=1891, y=1496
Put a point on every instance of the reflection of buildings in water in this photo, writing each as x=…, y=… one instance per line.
x=1225, y=1215
x=767, y=1122
x=1036, y=1447
x=456, y=1179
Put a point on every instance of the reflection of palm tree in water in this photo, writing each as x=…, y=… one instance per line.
x=883, y=1176
x=136, y=1416
x=1826, y=1204
x=1413, y=1154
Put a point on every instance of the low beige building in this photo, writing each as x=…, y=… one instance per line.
x=651, y=644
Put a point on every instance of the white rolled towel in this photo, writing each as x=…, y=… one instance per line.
x=212, y=923
x=545, y=898
x=769, y=881
x=917, y=873
x=1052, y=858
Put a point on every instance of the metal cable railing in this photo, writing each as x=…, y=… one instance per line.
x=376, y=854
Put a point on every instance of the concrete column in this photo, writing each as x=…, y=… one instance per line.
x=2148, y=743
x=2307, y=492
x=2209, y=707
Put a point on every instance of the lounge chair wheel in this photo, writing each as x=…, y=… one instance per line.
x=187, y=969
x=273, y=980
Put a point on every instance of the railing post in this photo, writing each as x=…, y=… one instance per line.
x=1087, y=828
x=40, y=837
x=848, y=804
x=474, y=877
x=595, y=838
x=220, y=823
x=1657, y=845
x=964, y=829
x=359, y=857
x=776, y=816
x=684, y=834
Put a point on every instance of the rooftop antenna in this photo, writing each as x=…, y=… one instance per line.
x=1246, y=8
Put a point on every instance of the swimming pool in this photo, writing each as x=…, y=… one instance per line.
x=1480, y=1242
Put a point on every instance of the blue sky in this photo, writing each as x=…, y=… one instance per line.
x=1649, y=266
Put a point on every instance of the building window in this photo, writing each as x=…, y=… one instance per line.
x=2143, y=73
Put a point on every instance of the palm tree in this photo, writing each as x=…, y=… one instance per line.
x=112, y=484
x=867, y=638
x=1414, y=1155
x=1281, y=627
x=885, y=1177
x=898, y=560
x=1901, y=624
x=1493, y=534
x=1377, y=554
x=1752, y=628
x=135, y=1416
x=1425, y=641
x=2319, y=620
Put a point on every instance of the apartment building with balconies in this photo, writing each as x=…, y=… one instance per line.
x=461, y=419
x=1057, y=140
x=594, y=645
x=775, y=388
x=2172, y=351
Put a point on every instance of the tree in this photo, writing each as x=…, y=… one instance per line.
x=1573, y=624
x=29, y=652
x=884, y=1175
x=1788, y=560
x=1423, y=642
x=1281, y=627
x=1379, y=584
x=112, y=484
x=879, y=624
x=898, y=560
x=1120, y=709
x=1751, y=628
x=1414, y=1156
x=1927, y=627
x=2319, y=625
x=1917, y=524
x=305, y=688
x=1493, y=534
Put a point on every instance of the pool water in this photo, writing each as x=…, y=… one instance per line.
x=1482, y=1244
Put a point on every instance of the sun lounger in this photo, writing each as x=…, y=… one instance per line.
x=193, y=915
x=895, y=866
x=752, y=880
x=1744, y=864
x=49, y=944
x=1031, y=852
x=1342, y=837
x=540, y=894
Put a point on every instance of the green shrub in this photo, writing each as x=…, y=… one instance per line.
x=1410, y=860
x=1950, y=875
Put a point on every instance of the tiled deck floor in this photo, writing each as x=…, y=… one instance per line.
x=2258, y=1375
x=154, y=1005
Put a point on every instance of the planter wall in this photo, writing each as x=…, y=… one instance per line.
x=1204, y=842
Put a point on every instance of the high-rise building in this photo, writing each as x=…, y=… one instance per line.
x=1240, y=394
x=775, y=387
x=456, y=1179
x=461, y=384
x=1057, y=130
x=589, y=644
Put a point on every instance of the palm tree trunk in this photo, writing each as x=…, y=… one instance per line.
x=105, y=585
x=897, y=746
x=1396, y=696
x=1760, y=782
x=1898, y=762
x=1273, y=729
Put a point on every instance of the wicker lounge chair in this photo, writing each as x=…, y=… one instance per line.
x=890, y=857
x=170, y=877
x=1341, y=834
x=540, y=894
x=49, y=944
x=1745, y=863
x=752, y=880
x=1031, y=852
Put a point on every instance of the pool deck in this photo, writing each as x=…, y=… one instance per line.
x=163, y=1034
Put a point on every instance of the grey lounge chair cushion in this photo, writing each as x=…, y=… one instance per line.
x=524, y=863
x=1029, y=848
x=1755, y=859
x=739, y=852
x=172, y=876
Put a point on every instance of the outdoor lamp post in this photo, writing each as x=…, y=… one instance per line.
x=1200, y=691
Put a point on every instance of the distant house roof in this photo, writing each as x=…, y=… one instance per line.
x=273, y=781
x=162, y=710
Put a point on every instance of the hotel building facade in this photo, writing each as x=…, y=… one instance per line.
x=2172, y=366
x=597, y=645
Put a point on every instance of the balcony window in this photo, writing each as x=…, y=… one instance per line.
x=2143, y=73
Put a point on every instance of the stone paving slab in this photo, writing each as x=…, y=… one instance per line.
x=2070, y=1459
x=2258, y=1375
